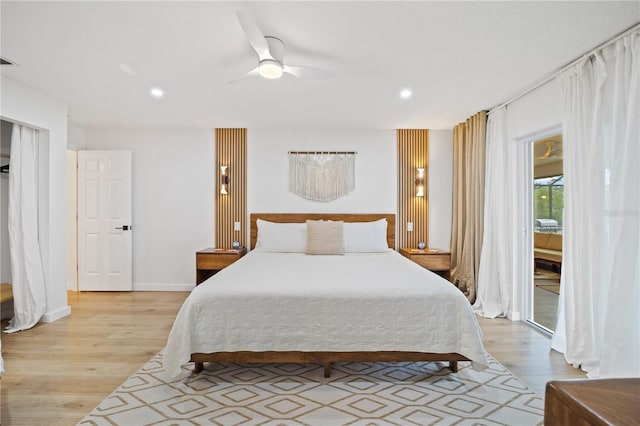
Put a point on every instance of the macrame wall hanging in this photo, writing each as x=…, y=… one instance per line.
x=322, y=175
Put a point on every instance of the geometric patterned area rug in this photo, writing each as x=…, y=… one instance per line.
x=411, y=393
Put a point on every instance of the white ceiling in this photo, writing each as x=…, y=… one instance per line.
x=101, y=58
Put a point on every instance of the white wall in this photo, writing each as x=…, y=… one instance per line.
x=268, y=169
x=24, y=105
x=76, y=137
x=173, y=184
x=536, y=114
x=173, y=187
x=440, y=188
x=72, y=220
x=376, y=173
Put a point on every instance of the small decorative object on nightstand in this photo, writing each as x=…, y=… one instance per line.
x=211, y=260
x=421, y=245
x=436, y=260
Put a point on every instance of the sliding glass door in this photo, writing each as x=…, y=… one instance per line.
x=547, y=209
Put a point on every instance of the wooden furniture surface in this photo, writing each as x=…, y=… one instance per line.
x=211, y=260
x=6, y=292
x=435, y=260
x=592, y=402
x=326, y=358
x=303, y=217
x=6, y=300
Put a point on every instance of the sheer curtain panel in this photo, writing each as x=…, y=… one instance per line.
x=495, y=276
x=599, y=311
x=26, y=263
x=468, y=202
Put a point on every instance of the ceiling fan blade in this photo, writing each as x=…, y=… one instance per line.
x=255, y=36
x=309, y=73
x=252, y=73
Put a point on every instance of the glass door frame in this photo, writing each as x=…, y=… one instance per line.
x=528, y=229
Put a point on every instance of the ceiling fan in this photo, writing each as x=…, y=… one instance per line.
x=270, y=52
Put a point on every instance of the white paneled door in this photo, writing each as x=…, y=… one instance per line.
x=104, y=220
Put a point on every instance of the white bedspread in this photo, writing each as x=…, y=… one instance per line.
x=296, y=302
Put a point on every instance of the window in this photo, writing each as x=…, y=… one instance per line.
x=548, y=203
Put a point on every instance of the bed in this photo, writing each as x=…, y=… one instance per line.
x=279, y=304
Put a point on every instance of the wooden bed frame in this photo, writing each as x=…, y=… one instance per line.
x=325, y=358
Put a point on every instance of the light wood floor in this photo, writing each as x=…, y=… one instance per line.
x=56, y=373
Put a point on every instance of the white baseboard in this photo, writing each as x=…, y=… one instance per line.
x=163, y=287
x=56, y=315
x=514, y=316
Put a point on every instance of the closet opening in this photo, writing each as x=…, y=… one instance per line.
x=6, y=293
x=24, y=215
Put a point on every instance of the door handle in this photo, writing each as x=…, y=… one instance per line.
x=125, y=227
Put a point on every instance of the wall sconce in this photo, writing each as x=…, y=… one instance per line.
x=420, y=183
x=224, y=180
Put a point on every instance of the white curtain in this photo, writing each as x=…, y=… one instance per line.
x=599, y=311
x=495, y=276
x=26, y=262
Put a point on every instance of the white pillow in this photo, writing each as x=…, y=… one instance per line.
x=281, y=237
x=365, y=237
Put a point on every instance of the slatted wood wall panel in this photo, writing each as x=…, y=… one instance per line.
x=413, y=152
x=231, y=151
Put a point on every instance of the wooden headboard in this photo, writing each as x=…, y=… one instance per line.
x=346, y=217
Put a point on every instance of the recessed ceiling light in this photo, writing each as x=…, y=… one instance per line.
x=156, y=92
x=405, y=93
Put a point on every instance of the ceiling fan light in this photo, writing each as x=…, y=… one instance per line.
x=270, y=69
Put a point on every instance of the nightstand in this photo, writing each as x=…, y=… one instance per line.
x=436, y=260
x=211, y=260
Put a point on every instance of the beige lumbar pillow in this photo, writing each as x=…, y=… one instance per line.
x=324, y=237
